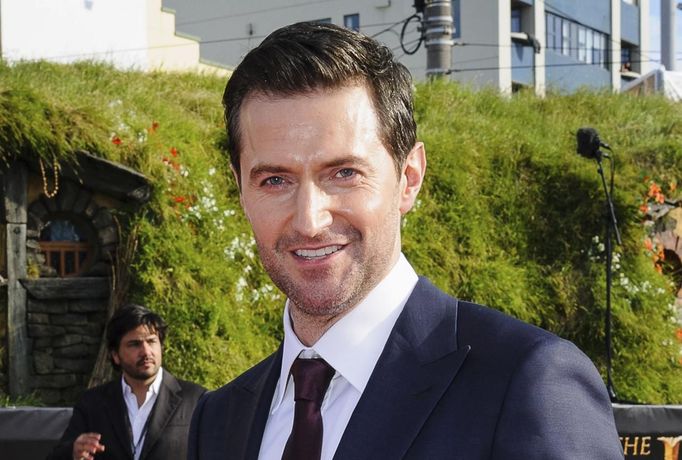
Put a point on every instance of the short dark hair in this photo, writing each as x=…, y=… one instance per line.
x=308, y=56
x=129, y=317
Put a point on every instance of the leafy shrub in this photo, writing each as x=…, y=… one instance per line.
x=509, y=215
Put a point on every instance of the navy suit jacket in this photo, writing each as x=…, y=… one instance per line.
x=103, y=410
x=455, y=381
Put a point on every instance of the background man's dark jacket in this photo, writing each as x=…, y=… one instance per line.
x=103, y=410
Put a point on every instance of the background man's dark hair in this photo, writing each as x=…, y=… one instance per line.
x=310, y=56
x=129, y=317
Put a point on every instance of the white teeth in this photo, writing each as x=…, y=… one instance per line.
x=312, y=253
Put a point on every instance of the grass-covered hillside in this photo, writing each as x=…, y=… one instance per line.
x=510, y=215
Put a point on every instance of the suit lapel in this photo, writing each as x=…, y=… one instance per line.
x=118, y=414
x=419, y=361
x=167, y=402
x=251, y=405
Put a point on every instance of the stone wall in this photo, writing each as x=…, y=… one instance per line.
x=4, y=383
x=65, y=321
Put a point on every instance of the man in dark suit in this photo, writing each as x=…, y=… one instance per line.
x=376, y=362
x=145, y=414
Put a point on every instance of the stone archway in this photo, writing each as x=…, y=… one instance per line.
x=77, y=204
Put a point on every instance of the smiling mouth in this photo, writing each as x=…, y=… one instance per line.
x=311, y=254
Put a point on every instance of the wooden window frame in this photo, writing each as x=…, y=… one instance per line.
x=60, y=249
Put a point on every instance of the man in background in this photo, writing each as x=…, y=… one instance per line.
x=376, y=362
x=144, y=414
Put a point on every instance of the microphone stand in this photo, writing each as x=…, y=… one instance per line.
x=611, y=225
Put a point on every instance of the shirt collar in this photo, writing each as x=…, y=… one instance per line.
x=352, y=346
x=153, y=388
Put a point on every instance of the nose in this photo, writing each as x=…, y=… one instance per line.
x=146, y=349
x=312, y=213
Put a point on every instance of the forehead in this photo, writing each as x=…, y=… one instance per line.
x=141, y=332
x=309, y=124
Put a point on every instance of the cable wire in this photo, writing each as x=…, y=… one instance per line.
x=402, y=35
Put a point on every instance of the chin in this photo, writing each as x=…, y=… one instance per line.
x=322, y=305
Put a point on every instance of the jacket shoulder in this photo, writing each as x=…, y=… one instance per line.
x=248, y=379
x=191, y=388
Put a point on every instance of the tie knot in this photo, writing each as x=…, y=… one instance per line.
x=311, y=379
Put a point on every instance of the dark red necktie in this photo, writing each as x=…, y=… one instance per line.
x=311, y=380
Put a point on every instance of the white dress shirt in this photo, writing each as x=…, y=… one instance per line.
x=352, y=346
x=138, y=415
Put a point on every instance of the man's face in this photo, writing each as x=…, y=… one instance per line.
x=322, y=195
x=139, y=354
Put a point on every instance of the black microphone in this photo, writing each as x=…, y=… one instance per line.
x=589, y=143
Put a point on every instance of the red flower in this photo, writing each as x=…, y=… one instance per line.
x=179, y=199
x=153, y=128
x=644, y=208
x=648, y=244
x=174, y=151
x=116, y=140
x=678, y=334
x=654, y=189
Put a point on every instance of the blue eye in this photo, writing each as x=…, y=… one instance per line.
x=275, y=180
x=346, y=172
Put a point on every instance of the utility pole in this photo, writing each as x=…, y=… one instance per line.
x=668, y=34
x=438, y=27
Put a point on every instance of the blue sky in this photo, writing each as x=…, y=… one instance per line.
x=655, y=35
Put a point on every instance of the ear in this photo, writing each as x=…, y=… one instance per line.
x=115, y=358
x=412, y=177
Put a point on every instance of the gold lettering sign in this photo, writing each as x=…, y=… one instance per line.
x=671, y=446
x=636, y=445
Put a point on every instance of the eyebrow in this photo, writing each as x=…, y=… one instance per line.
x=264, y=169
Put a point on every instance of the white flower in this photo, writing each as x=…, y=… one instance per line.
x=211, y=171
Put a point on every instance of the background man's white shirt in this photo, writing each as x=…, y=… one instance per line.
x=138, y=416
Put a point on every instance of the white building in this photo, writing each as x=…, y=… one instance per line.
x=128, y=33
x=581, y=42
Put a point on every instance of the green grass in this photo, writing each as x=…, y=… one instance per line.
x=507, y=215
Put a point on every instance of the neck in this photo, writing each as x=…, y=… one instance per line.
x=309, y=328
x=139, y=387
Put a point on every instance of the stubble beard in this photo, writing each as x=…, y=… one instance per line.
x=320, y=296
x=142, y=375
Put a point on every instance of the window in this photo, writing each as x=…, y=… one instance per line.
x=66, y=246
x=625, y=58
x=582, y=44
x=565, y=38
x=516, y=20
x=576, y=40
x=352, y=22
x=551, y=31
x=601, y=49
x=323, y=20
